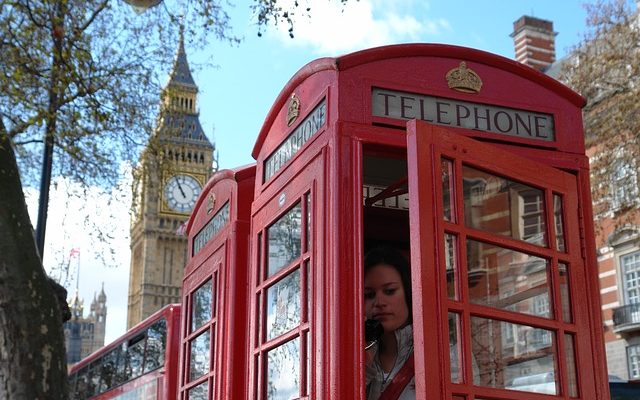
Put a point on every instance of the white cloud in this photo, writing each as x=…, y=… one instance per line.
x=71, y=223
x=333, y=29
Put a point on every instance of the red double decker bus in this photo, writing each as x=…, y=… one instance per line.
x=141, y=365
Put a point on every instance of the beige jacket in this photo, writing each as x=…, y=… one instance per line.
x=377, y=380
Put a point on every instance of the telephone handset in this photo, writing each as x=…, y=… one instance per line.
x=373, y=331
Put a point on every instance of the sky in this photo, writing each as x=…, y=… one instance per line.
x=237, y=93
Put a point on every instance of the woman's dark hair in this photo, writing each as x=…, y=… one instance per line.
x=392, y=257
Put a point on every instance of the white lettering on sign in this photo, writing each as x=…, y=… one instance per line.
x=462, y=114
x=290, y=146
x=212, y=227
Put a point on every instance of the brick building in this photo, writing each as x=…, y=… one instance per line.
x=616, y=206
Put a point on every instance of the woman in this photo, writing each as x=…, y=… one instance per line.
x=387, y=299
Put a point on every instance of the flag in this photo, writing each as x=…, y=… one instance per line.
x=182, y=229
x=74, y=252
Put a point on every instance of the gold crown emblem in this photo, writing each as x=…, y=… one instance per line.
x=294, y=109
x=211, y=203
x=464, y=79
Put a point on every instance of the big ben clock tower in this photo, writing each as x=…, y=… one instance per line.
x=173, y=169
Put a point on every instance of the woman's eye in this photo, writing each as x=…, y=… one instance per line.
x=369, y=296
x=389, y=291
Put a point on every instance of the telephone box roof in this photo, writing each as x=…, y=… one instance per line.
x=355, y=59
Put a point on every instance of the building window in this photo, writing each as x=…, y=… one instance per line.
x=624, y=184
x=633, y=357
x=630, y=265
x=541, y=305
x=533, y=224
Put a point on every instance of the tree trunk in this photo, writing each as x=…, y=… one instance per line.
x=32, y=351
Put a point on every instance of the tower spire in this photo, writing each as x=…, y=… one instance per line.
x=181, y=73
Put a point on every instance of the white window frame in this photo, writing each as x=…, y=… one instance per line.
x=635, y=281
x=633, y=361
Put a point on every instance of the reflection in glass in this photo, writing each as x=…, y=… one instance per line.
x=156, y=339
x=454, y=348
x=451, y=261
x=308, y=222
x=308, y=365
x=283, y=305
x=202, y=305
x=526, y=363
x=284, y=239
x=557, y=217
x=308, y=274
x=135, y=356
x=507, y=279
x=283, y=371
x=572, y=375
x=503, y=207
x=199, y=356
x=81, y=383
x=200, y=392
x=447, y=189
x=121, y=373
x=94, y=380
x=565, y=298
x=108, y=370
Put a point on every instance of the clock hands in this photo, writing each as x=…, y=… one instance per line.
x=181, y=191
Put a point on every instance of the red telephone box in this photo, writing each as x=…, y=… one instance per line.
x=472, y=164
x=214, y=347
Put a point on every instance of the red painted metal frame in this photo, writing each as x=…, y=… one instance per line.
x=224, y=259
x=329, y=167
x=427, y=144
x=165, y=375
x=298, y=186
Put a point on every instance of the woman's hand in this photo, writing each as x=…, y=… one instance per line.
x=370, y=354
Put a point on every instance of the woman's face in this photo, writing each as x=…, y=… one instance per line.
x=384, y=298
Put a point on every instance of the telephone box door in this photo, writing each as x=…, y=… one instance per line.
x=503, y=300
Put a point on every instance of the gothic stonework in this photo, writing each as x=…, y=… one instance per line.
x=174, y=167
x=84, y=335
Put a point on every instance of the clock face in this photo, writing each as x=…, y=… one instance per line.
x=181, y=193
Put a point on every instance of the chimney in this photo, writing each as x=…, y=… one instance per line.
x=534, y=41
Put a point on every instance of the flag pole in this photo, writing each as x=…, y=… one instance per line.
x=78, y=274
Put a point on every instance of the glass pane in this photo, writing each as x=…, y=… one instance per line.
x=81, y=383
x=307, y=312
x=199, y=356
x=308, y=364
x=572, y=375
x=108, y=370
x=284, y=239
x=135, y=356
x=557, y=217
x=565, y=297
x=507, y=279
x=503, y=207
x=201, y=308
x=121, y=374
x=200, y=392
x=94, y=381
x=283, y=371
x=454, y=348
x=526, y=364
x=459, y=397
x=308, y=245
x=156, y=339
x=451, y=261
x=447, y=189
x=283, y=305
